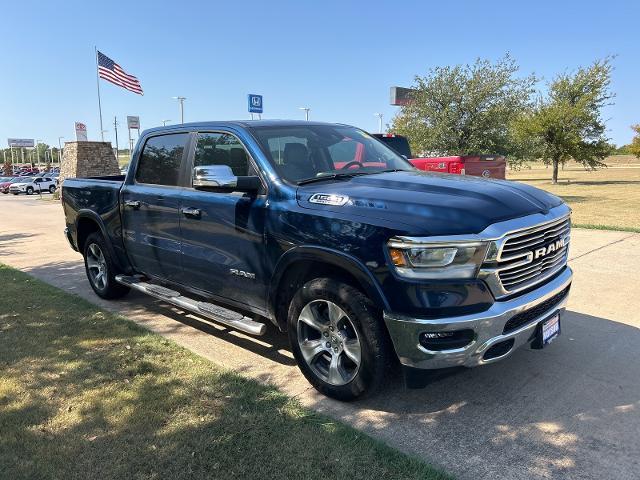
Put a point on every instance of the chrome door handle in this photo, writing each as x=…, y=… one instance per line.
x=135, y=204
x=191, y=212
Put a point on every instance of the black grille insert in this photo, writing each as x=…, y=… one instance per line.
x=525, y=317
x=499, y=349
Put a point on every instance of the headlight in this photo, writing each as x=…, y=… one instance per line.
x=459, y=260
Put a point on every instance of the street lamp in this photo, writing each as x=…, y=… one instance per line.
x=181, y=100
x=379, y=115
x=306, y=112
x=164, y=122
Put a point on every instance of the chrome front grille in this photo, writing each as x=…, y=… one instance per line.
x=531, y=255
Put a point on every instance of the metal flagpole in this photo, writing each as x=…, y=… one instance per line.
x=99, y=104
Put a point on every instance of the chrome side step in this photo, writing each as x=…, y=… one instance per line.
x=213, y=312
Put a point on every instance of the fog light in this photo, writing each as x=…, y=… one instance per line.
x=439, y=341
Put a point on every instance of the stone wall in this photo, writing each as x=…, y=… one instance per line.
x=88, y=159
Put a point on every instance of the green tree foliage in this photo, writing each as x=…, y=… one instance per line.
x=634, y=148
x=465, y=109
x=567, y=122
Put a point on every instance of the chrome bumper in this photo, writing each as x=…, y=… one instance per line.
x=488, y=327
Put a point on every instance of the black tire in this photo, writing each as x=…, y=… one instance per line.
x=16, y=193
x=375, y=347
x=52, y=189
x=106, y=286
x=29, y=191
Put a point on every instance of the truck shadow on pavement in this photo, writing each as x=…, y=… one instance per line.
x=570, y=410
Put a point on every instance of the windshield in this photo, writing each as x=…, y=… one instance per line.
x=302, y=152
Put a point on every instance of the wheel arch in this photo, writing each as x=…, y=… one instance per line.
x=88, y=222
x=301, y=264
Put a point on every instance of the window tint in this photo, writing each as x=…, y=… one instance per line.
x=161, y=159
x=221, y=149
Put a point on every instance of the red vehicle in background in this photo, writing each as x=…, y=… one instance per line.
x=488, y=166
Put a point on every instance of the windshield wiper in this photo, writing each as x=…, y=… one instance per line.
x=332, y=176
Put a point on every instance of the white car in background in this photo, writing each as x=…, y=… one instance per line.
x=32, y=185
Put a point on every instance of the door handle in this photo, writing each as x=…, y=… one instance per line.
x=135, y=204
x=191, y=212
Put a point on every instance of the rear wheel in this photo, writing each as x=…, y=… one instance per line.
x=100, y=268
x=29, y=190
x=338, y=339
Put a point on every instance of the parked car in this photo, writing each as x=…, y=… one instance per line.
x=31, y=185
x=333, y=237
x=487, y=166
x=4, y=186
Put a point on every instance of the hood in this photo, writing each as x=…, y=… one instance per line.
x=425, y=203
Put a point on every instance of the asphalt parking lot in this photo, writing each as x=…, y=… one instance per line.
x=570, y=411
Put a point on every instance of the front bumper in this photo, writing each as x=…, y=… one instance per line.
x=488, y=328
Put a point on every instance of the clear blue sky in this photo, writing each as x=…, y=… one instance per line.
x=337, y=57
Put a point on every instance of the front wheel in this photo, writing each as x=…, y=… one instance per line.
x=338, y=339
x=100, y=268
x=52, y=189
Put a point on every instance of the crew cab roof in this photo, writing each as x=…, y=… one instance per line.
x=234, y=123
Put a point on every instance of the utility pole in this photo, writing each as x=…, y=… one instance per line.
x=181, y=100
x=379, y=115
x=306, y=112
x=164, y=122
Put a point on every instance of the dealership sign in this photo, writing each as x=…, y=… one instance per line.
x=133, y=123
x=21, y=142
x=401, y=96
x=81, y=132
x=255, y=103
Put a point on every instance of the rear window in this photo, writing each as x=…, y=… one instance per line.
x=398, y=143
x=161, y=160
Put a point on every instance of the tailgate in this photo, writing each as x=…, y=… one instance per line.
x=487, y=166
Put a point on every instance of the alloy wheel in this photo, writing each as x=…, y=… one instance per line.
x=97, y=266
x=329, y=342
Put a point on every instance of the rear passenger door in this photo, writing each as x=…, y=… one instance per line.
x=223, y=232
x=151, y=207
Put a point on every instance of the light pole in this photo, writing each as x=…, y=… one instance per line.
x=306, y=112
x=379, y=115
x=181, y=100
x=164, y=122
x=60, y=151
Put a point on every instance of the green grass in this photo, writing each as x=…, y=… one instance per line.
x=87, y=394
x=606, y=227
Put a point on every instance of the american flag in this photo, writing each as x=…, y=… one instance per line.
x=112, y=72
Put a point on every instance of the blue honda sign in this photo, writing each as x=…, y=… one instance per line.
x=255, y=103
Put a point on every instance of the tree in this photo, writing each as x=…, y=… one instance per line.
x=634, y=148
x=567, y=123
x=465, y=109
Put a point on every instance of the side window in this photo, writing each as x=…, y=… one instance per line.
x=161, y=159
x=221, y=149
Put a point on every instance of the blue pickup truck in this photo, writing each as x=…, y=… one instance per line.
x=329, y=235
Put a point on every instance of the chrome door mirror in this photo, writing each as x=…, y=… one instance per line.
x=214, y=176
x=222, y=178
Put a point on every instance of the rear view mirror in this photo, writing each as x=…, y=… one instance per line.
x=222, y=178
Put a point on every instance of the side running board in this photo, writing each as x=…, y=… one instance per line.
x=214, y=312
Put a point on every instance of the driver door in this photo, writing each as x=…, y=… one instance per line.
x=223, y=232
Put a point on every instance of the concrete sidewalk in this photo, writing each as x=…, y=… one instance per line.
x=570, y=411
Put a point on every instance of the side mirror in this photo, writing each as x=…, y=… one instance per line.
x=222, y=178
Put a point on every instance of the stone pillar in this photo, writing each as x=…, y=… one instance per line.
x=88, y=159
